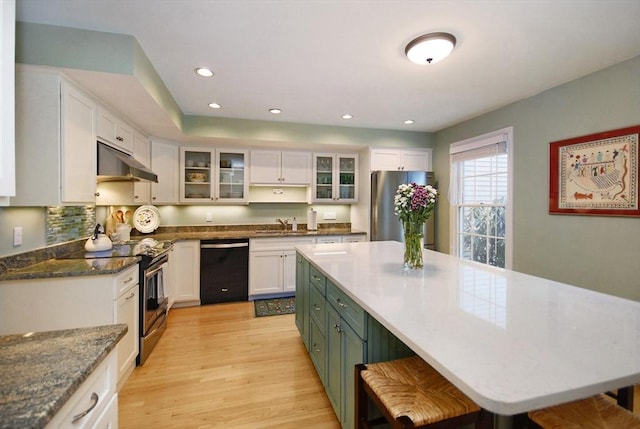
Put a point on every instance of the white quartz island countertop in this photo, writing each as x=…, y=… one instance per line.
x=512, y=342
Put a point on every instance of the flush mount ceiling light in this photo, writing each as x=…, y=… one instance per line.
x=204, y=72
x=430, y=48
x=347, y=116
x=275, y=111
x=214, y=105
x=409, y=122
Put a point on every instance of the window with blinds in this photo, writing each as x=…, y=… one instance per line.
x=479, y=194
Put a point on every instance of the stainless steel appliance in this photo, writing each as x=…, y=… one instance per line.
x=224, y=270
x=154, y=304
x=114, y=165
x=154, y=257
x=384, y=223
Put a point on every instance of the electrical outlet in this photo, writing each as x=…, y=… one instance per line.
x=17, y=236
x=209, y=217
x=329, y=215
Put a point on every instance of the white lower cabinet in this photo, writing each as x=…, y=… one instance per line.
x=76, y=302
x=352, y=238
x=95, y=403
x=184, y=274
x=272, y=265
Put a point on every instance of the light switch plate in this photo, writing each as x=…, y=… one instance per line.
x=329, y=216
x=17, y=236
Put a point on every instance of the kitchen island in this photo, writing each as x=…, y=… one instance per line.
x=512, y=342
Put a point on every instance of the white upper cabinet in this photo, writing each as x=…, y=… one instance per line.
x=397, y=159
x=142, y=152
x=270, y=167
x=335, y=178
x=7, y=104
x=114, y=131
x=164, y=162
x=213, y=176
x=56, y=157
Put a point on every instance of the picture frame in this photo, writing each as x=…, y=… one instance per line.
x=595, y=174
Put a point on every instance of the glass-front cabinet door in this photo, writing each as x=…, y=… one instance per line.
x=335, y=178
x=347, y=166
x=323, y=177
x=213, y=176
x=232, y=176
x=196, y=166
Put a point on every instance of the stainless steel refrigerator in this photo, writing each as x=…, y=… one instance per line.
x=384, y=223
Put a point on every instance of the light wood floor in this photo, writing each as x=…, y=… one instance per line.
x=218, y=366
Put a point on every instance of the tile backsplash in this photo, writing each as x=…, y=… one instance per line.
x=68, y=223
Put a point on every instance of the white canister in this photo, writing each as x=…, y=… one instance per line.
x=123, y=230
x=312, y=220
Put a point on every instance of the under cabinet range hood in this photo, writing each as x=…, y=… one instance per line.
x=116, y=166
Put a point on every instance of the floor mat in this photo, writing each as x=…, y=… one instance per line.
x=275, y=306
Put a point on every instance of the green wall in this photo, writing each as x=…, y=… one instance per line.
x=599, y=253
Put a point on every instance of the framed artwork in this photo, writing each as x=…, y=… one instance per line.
x=595, y=174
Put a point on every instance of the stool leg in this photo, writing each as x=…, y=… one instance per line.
x=486, y=420
x=361, y=411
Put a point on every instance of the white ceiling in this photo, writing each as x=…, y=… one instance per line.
x=320, y=59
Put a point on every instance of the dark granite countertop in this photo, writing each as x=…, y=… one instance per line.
x=40, y=372
x=185, y=234
x=53, y=268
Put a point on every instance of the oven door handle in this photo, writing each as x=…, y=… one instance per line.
x=223, y=246
x=148, y=274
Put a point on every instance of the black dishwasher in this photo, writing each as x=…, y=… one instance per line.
x=224, y=270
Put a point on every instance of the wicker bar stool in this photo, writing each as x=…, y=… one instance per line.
x=597, y=412
x=411, y=394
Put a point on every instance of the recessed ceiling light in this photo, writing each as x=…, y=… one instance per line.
x=347, y=116
x=275, y=111
x=409, y=121
x=214, y=105
x=430, y=48
x=204, y=72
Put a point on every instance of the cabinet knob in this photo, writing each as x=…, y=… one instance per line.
x=97, y=194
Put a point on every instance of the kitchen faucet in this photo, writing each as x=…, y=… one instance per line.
x=284, y=223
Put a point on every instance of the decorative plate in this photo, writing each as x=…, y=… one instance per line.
x=146, y=219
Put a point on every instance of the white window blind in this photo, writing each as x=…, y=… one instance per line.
x=479, y=195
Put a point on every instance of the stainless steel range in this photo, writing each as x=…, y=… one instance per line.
x=154, y=260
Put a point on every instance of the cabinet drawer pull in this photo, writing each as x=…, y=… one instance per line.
x=94, y=399
x=341, y=304
x=316, y=308
x=316, y=278
x=338, y=328
x=316, y=348
x=129, y=280
x=130, y=296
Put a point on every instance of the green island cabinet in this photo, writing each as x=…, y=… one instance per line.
x=339, y=334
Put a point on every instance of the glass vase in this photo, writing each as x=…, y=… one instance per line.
x=413, y=244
